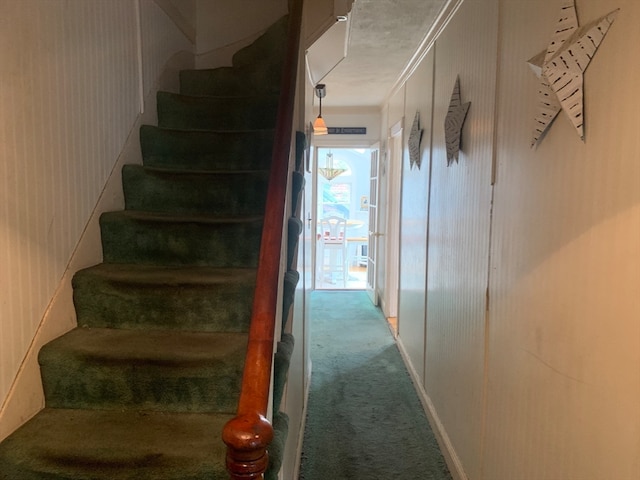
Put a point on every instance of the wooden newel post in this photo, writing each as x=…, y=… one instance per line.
x=247, y=438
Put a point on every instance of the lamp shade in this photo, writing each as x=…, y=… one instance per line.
x=319, y=127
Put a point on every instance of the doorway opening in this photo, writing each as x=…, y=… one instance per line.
x=342, y=217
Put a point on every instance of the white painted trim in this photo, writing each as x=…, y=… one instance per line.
x=446, y=447
x=392, y=219
x=139, y=48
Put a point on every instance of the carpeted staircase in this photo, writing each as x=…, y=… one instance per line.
x=142, y=388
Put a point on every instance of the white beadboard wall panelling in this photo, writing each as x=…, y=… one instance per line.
x=69, y=99
x=66, y=68
x=413, y=219
x=564, y=376
x=459, y=226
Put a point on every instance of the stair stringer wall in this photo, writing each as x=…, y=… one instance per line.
x=157, y=49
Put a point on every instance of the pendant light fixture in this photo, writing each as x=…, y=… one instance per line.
x=328, y=171
x=319, y=127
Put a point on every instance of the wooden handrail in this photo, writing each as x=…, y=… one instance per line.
x=249, y=434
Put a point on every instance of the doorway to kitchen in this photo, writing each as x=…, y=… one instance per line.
x=342, y=217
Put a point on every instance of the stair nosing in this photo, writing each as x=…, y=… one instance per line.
x=236, y=131
x=220, y=97
x=195, y=172
x=158, y=274
x=184, y=218
x=115, y=345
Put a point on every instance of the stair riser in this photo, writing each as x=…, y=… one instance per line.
x=126, y=240
x=216, y=113
x=105, y=303
x=81, y=383
x=204, y=151
x=151, y=190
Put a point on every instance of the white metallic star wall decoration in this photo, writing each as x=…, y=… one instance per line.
x=414, y=142
x=561, y=67
x=454, y=122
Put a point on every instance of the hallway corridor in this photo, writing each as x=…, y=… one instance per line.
x=364, y=419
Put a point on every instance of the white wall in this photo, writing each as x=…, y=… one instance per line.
x=73, y=79
x=527, y=356
x=414, y=218
x=564, y=335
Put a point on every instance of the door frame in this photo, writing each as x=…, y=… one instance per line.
x=392, y=219
x=373, y=234
x=312, y=217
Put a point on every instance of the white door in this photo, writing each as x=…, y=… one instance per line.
x=373, y=224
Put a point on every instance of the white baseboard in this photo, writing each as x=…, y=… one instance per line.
x=446, y=447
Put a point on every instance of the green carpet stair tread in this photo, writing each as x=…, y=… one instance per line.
x=206, y=150
x=156, y=239
x=291, y=279
x=297, y=186
x=257, y=66
x=143, y=369
x=186, y=112
x=294, y=228
x=277, y=447
x=220, y=193
x=61, y=444
x=281, y=362
x=176, y=298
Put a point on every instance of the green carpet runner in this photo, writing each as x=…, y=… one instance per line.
x=142, y=388
x=364, y=417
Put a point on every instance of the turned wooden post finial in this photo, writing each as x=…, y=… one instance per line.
x=247, y=438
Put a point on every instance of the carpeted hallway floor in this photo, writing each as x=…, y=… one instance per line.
x=365, y=420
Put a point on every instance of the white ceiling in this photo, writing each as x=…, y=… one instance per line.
x=384, y=35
